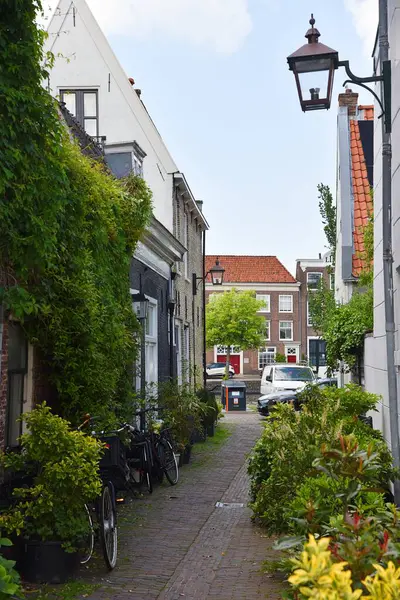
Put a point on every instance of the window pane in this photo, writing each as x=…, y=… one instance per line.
x=120, y=163
x=266, y=299
x=70, y=101
x=17, y=348
x=313, y=280
x=286, y=303
x=91, y=127
x=267, y=330
x=89, y=104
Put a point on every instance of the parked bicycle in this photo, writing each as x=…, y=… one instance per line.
x=160, y=448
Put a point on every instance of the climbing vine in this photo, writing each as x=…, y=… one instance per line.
x=67, y=233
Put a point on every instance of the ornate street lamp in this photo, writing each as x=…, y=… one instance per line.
x=320, y=62
x=314, y=66
x=217, y=273
x=140, y=306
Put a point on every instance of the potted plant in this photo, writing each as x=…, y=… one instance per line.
x=210, y=412
x=50, y=514
x=183, y=414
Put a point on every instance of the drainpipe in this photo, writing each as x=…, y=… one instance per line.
x=204, y=312
x=388, y=259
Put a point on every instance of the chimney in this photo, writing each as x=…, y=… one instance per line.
x=349, y=99
x=200, y=205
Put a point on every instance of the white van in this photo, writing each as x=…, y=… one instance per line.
x=282, y=376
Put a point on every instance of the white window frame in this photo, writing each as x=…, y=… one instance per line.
x=266, y=351
x=267, y=330
x=282, y=301
x=151, y=344
x=285, y=339
x=267, y=299
x=320, y=275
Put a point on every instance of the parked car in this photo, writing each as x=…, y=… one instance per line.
x=269, y=400
x=285, y=377
x=218, y=370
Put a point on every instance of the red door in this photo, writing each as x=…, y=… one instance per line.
x=234, y=360
x=291, y=358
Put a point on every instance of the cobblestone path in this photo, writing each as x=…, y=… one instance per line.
x=177, y=545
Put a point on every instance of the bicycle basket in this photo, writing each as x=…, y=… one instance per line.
x=114, y=453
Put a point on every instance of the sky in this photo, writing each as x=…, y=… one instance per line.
x=214, y=78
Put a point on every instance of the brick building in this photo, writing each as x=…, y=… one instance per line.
x=309, y=272
x=272, y=283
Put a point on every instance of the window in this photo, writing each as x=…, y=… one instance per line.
x=285, y=330
x=185, y=243
x=124, y=159
x=267, y=330
x=83, y=104
x=317, y=353
x=187, y=354
x=266, y=298
x=293, y=374
x=266, y=356
x=313, y=280
x=286, y=303
x=152, y=343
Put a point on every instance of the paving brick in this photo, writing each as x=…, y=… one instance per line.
x=176, y=544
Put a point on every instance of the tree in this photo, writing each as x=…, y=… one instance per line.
x=232, y=320
x=327, y=210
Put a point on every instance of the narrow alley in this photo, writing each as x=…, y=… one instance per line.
x=178, y=544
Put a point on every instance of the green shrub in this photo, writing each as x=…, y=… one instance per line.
x=184, y=411
x=10, y=584
x=66, y=476
x=284, y=456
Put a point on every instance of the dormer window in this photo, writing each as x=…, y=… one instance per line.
x=124, y=159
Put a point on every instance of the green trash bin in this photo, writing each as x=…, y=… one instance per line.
x=233, y=395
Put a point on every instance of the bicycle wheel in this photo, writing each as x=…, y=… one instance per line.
x=86, y=551
x=147, y=469
x=108, y=526
x=170, y=465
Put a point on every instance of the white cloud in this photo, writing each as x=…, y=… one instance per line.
x=221, y=25
x=365, y=17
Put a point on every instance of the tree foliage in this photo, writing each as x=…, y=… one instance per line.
x=327, y=210
x=232, y=320
x=67, y=233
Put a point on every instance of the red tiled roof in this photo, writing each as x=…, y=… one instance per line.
x=361, y=191
x=251, y=269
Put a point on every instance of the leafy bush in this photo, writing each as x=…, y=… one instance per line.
x=284, y=456
x=184, y=411
x=9, y=578
x=317, y=575
x=67, y=234
x=66, y=476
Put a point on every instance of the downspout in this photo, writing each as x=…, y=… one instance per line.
x=204, y=311
x=194, y=342
x=387, y=257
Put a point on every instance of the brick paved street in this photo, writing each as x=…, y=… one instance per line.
x=177, y=544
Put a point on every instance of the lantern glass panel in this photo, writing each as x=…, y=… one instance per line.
x=314, y=64
x=316, y=81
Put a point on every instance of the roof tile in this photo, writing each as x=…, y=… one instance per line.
x=361, y=190
x=251, y=269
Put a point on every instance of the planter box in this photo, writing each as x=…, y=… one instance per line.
x=187, y=454
x=47, y=562
x=211, y=430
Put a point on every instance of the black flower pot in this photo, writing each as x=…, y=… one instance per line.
x=186, y=454
x=211, y=429
x=48, y=562
x=16, y=552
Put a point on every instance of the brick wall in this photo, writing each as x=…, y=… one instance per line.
x=250, y=357
x=189, y=308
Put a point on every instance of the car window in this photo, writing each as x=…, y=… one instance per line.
x=293, y=374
